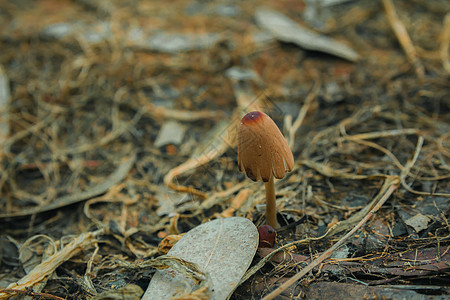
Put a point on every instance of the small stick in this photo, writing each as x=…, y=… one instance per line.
x=30, y=293
x=403, y=37
x=445, y=45
x=380, y=134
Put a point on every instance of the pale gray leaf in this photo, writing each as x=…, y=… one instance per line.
x=177, y=42
x=287, y=30
x=223, y=248
x=419, y=222
x=171, y=132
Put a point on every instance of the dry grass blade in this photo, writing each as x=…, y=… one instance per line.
x=330, y=172
x=190, y=270
x=118, y=175
x=6, y=144
x=183, y=115
x=381, y=149
x=47, y=267
x=360, y=139
x=332, y=133
x=292, y=129
x=445, y=45
x=5, y=99
x=87, y=275
x=29, y=293
x=408, y=167
x=286, y=247
x=380, y=134
x=403, y=37
x=206, y=152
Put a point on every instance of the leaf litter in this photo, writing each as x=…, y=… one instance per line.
x=83, y=188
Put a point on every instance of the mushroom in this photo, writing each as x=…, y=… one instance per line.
x=267, y=236
x=263, y=154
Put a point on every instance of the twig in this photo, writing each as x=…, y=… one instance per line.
x=408, y=167
x=48, y=266
x=332, y=133
x=266, y=258
x=6, y=144
x=223, y=137
x=403, y=37
x=183, y=115
x=382, y=149
x=445, y=45
x=14, y=292
x=87, y=275
x=302, y=113
x=380, y=134
x=110, y=196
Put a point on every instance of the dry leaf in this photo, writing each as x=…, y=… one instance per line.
x=223, y=248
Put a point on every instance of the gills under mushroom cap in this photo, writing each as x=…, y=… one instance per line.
x=262, y=149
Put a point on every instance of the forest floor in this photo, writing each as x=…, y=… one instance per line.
x=118, y=124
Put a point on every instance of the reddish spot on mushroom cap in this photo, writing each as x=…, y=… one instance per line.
x=266, y=236
x=254, y=116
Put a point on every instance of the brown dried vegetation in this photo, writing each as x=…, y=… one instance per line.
x=86, y=198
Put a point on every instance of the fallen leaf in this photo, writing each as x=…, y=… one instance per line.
x=419, y=222
x=287, y=30
x=223, y=248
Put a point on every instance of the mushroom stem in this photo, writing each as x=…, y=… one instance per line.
x=271, y=209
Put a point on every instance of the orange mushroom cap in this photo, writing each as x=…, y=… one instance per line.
x=262, y=149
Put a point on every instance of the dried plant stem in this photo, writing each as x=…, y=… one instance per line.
x=87, y=280
x=215, y=147
x=445, y=45
x=48, y=266
x=15, y=292
x=302, y=114
x=379, y=134
x=403, y=37
x=381, y=149
x=250, y=272
x=184, y=167
x=271, y=205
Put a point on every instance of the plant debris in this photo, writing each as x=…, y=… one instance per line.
x=118, y=135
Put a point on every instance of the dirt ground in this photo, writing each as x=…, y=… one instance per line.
x=118, y=124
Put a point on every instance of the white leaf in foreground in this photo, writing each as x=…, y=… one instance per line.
x=223, y=248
